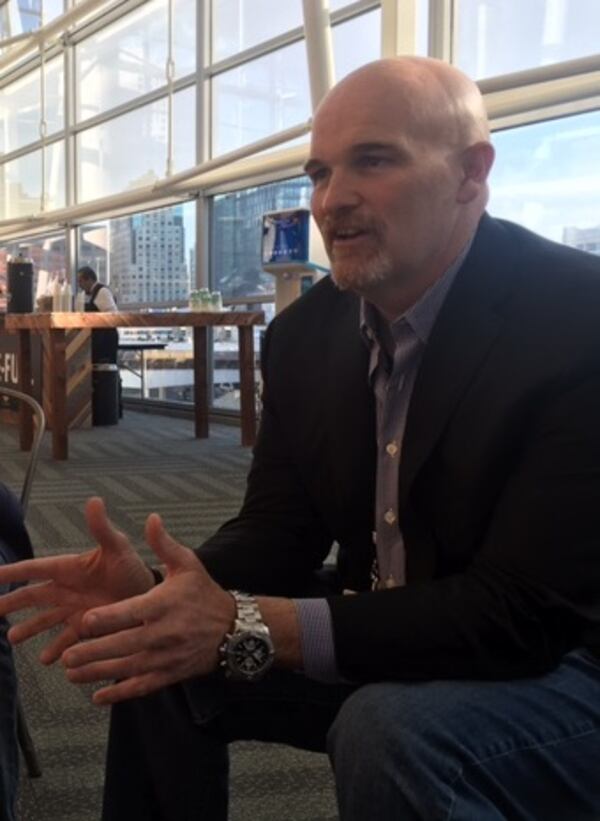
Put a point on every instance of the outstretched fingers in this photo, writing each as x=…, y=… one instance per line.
x=65, y=639
x=169, y=551
x=36, y=595
x=118, y=645
x=37, y=624
x=28, y=571
x=101, y=527
x=129, y=666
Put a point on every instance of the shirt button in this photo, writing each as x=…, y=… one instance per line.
x=392, y=448
x=389, y=516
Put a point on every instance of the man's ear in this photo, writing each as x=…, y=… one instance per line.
x=476, y=162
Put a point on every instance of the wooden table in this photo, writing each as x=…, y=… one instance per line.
x=56, y=325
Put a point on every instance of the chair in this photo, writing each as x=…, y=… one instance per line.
x=25, y=741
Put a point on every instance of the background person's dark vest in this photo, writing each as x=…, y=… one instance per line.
x=105, y=343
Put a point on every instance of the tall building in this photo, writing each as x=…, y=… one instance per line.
x=237, y=233
x=147, y=258
x=586, y=239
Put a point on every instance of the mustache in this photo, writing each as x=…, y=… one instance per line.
x=331, y=226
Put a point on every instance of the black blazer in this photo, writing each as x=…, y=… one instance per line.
x=499, y=490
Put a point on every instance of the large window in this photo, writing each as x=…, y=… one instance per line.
x=128, y=58
x=130, y=151
x=260, y=98
x=272, y=92
x=20, y=107
x=20, y=182
x=500, y=36
x=238, y=25
x=547, y=177
x=356, y=42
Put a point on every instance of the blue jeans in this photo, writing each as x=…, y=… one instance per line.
x=451, y=750
x=525, y=750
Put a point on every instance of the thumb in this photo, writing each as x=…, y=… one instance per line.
x=170, y=553
x=102, y=529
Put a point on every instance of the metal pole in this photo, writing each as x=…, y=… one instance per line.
x=43, y=123
x=170, y=76
x=319, y=49
x=398, y=27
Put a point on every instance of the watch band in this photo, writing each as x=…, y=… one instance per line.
x=246, y=652
x=247, y=615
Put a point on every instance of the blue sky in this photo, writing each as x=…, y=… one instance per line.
x=547, y=175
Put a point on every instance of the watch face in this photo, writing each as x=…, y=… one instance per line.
x=249, y=654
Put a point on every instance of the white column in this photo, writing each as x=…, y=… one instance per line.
x=319, y=49
x=399, y=27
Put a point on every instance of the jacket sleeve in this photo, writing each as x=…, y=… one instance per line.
x=278, y=540
x=532, y=589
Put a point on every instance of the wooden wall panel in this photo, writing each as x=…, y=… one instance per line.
x=78, y=379
x=9, y=371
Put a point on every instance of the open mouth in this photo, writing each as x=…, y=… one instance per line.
x=347, y=236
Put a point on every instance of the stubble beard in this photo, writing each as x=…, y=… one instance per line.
x=363, y=273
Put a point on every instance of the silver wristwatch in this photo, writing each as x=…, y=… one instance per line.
x=247, y=652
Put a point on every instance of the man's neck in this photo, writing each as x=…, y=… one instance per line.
x=393, y=297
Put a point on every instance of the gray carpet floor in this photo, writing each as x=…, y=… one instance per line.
x=146, y=463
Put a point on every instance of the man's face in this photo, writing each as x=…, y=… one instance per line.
x=384, y=198
x=84, y=283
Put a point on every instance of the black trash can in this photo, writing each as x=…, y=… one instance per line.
x=105, y=394
x=19, y=297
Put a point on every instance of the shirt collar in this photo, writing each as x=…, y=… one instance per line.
x=421, y=316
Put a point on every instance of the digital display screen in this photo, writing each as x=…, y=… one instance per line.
x=285, y=237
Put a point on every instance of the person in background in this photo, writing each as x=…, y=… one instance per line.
x=105, y=342
x=432, y=408
x=14, y=546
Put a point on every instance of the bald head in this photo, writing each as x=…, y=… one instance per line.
x=437, y=102
x=400, y=155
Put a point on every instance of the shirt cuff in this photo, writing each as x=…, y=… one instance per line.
x=316, y=641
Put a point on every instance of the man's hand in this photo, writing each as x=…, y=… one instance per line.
x=163, y=636
x=72, y=584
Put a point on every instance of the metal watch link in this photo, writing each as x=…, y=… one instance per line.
x=247, y=652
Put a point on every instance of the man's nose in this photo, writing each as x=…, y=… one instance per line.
x=340, y=193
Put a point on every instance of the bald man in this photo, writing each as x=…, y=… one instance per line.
x=432, y=408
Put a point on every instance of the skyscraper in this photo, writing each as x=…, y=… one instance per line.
x=147, y=257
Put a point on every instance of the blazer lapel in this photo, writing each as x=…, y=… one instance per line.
x=351, y=408
x=464, y=331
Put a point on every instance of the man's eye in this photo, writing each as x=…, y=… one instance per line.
x=317, y=175
x=370, y=161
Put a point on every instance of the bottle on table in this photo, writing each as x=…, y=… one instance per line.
x=56, y=295
x=66, y=297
